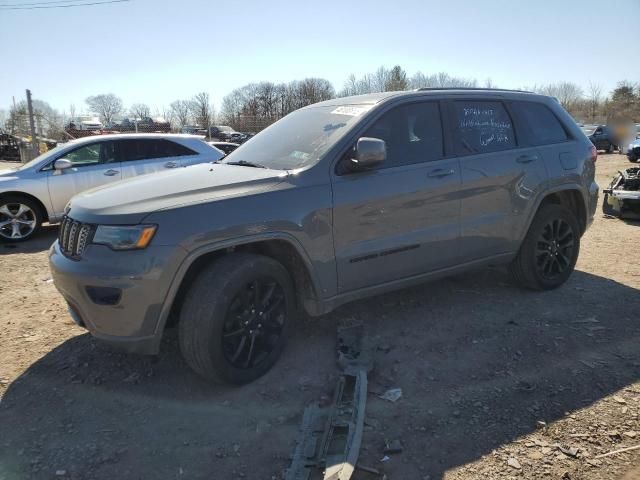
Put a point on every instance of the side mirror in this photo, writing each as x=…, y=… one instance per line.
x=62, y=164
x=369, y=153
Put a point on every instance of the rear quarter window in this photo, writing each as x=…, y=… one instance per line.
x=539, y=124
x=177, y=150
x=481, y=127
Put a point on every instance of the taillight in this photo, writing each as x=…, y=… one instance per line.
x=594, y=153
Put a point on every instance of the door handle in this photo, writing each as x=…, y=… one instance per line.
x=526, y=158
x=440, y=172
x=111, y=172
x=171, y=165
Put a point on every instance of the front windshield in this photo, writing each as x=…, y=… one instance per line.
x=299, y=139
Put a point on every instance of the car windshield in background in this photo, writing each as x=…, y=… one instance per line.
x=299, y=139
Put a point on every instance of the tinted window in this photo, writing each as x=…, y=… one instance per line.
x=145, y=149
x=413, y=134
x=177, y=150
x=92, y=154
x=540, y=124
x=482, y=127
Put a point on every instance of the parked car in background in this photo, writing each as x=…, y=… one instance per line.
x=153, y=125
x=38, y=191
x=337, y=201
x=633, y=151
x=84, y=123
x=221, y=132
x=226, y=147
x=194, y=130
x=604, y=138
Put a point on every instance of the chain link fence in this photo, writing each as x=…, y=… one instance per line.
x=16, y=143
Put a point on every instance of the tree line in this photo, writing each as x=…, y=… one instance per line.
x=257, y=105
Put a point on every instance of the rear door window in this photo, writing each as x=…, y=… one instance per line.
x=539, y=124
x=148, y=149
x=482, y=127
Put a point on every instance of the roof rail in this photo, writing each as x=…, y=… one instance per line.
x=423, y=89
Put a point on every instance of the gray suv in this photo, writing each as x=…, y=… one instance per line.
x=337, y=201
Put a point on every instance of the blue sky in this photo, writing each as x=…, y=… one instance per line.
x=156, y=51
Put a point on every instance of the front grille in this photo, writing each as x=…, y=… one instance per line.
x=74, y=237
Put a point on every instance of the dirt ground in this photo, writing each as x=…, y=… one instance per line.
x=497, y=382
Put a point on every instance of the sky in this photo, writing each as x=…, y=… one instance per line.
x=157, y=51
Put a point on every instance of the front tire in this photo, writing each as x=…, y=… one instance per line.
x=20, y=218
x=236, y=318
x=550, y=250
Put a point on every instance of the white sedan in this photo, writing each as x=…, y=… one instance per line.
x=39, y=191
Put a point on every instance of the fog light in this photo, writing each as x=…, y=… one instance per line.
x=104, y=295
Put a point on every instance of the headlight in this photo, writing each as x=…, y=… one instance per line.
x=124, y=237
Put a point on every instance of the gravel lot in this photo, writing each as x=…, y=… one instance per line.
x=497, y=382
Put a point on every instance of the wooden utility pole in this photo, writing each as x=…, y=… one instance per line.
x=32, y=125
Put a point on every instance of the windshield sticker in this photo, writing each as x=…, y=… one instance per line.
x=300, y=155
x=352, y=110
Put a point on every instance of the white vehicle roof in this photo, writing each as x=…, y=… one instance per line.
x=122, y=136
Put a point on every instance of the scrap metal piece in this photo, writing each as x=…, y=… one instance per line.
x=335, y=446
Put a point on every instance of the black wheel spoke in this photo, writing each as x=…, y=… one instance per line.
x=250, y=354
x=267, y=297
x=255, y=286
x=238, y=351
x=235, y=333
x=273, y=307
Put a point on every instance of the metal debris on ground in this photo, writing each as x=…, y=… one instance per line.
x=392, y=395
x=622, y=197
x=393, y=446
x=330, y=437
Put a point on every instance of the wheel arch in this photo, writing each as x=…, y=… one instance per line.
x=570, y=196
x=281, y=247
x=17, y=193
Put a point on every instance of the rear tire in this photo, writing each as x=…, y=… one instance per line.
x=549, y=251
x=20, y=218
x=236, y=318
x=611, y=148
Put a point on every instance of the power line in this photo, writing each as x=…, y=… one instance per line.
x=38, y=3
x=4, y=7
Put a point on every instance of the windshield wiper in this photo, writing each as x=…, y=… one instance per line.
x=244, y=163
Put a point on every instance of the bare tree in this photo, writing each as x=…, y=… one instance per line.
x=568, y=94
x=594, y=99
x=140, y=110
x=350, y=86
x=106, y=105
x=201, y=109
x=489, y=83
x=380, y=79
x=180, y=110
x=72, y=111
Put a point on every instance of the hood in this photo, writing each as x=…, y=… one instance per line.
x=9, y=173
x=129, y=201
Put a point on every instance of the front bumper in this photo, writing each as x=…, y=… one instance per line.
x=141, y=278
